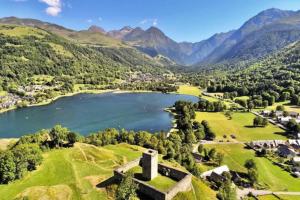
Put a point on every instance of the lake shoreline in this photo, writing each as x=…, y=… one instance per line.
x=158, y=97
x=49, y=101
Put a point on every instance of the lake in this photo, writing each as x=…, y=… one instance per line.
x=86, y=113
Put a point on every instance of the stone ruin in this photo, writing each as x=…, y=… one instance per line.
x=150, y=164
x=151, y=168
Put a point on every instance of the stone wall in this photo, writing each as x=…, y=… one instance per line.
x=119, y=172
x=182, y=186
x=171, y=172
x=184, y=180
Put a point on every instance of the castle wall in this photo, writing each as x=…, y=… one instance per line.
x=184, y=180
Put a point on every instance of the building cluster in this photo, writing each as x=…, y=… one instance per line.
x=282, y=117
x=9, y=100
x=29, y=92
x=289, y=149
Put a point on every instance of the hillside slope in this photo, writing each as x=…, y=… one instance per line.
x=27, y=51
x=80, y=173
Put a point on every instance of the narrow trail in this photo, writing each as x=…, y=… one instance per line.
x=82, y=152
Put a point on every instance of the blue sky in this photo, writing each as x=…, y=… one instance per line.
x=182, y=20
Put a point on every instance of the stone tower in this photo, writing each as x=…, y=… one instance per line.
x=150, y=164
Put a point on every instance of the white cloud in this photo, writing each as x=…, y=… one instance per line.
x=153, y=22
x=54, y=7
x=53, y=11
x=100, y=19
x=144, y=21
x=89, y=21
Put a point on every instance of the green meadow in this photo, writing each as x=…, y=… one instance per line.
x=240, y=125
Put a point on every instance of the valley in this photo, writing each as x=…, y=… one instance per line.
x=121, y=113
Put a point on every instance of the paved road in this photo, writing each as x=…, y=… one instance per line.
x=244, y=192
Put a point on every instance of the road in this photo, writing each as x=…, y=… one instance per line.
x=244, y=192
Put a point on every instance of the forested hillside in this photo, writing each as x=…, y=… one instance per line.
x=27, y=51
x=276, y=78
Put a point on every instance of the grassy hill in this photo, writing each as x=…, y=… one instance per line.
x=76, y=173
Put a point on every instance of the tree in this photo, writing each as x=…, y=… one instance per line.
x=265, y=103
x=72, y=137
x=212, y=153
x=200, y=148
x=253, y=175
x=250, y=106
x=58, y=135
x=260, y=121
x=252, y=170
x=227, y=190
x=250, y=164
x=257, y=121
x=219, y=158
x=280, y=108
x=127, y=188
x=265, y=122
x=7, y=167
x=26, y=157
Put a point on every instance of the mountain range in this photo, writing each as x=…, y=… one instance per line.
x=265, y=33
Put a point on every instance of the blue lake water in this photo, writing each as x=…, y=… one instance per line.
x=86, y=113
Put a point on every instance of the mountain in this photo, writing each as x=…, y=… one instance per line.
x=97, y=29
x=154, y=42
x=265, y=33
x=151, y=41
x=200, y=50
x=256, y=34
x=120, y=34
x=85, y=37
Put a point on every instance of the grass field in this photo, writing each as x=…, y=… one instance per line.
x=240, y=125
x=195, y=91
x=189, y=90
x=287, y=106
x=242, y=98
x=74, y=173
x=271, y=176
x=162, y=183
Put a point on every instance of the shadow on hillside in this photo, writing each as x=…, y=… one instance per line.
x=251, y=126
x=110, y=181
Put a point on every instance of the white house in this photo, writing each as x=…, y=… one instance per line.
x=218, y=170
x=296, y=160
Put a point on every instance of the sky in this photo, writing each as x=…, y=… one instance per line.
x=181, y=20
